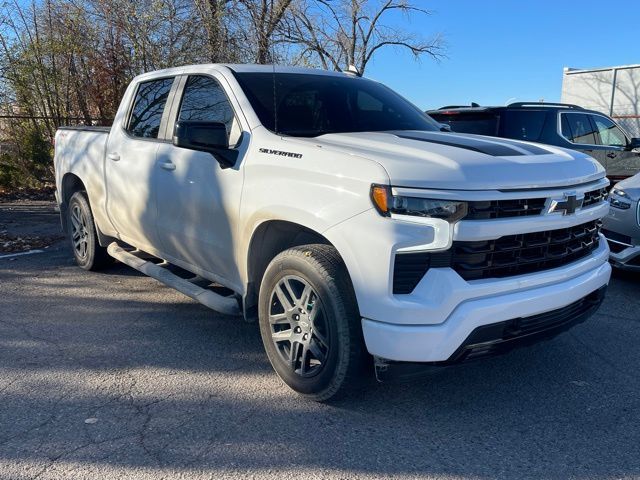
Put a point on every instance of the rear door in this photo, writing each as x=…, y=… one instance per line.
x=578, y=131
x=131, y=162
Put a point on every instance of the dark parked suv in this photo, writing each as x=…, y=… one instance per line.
x=564, y=125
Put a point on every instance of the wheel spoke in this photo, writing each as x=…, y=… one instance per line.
x=293, y=355
x=74, y=222
x=303, y=359
x=282, y=335
x=284, y=301
x=290, y=291
x=278, y=318
x=315, y=350
x=322, y=339
x=305, y=298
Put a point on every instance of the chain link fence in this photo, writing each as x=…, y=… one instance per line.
x=631, y=124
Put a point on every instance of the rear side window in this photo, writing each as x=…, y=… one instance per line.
x=577, y=128
x=148, y=105
x=523, y=125
x=479, y=123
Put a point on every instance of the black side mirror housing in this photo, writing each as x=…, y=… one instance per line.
x=210, y=137
x=633, y=144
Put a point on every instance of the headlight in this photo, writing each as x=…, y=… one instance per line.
x=615, y=202
x=620, y=193
x=388, y=204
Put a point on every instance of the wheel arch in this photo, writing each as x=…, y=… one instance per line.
x=269, y=239
x=69, y=185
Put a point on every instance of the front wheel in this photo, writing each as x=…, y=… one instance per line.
x=309, y=322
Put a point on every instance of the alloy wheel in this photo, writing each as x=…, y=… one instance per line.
x=79, y=232
x=299, y=327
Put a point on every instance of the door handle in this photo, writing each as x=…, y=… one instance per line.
x=611, y=155
x=113, y=156
x=168, y=165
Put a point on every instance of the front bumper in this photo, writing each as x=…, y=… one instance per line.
x=442, y=342
x=499, y=338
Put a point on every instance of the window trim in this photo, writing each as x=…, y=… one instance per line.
x=161, y=138
x=177, y=105
x=599, y=146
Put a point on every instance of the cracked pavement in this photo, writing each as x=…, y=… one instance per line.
x=112, y=375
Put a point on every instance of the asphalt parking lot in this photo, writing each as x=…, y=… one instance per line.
x=112, y=375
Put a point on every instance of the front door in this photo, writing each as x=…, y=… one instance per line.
x=618, y=160
x=131, y=162
x=198, y=201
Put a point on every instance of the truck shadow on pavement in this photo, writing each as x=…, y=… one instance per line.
x=108, y=372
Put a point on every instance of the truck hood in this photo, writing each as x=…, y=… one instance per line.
x=421, y=159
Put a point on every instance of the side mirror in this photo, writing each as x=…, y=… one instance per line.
x=633, y=144
x=444, y=127
x=210, y=137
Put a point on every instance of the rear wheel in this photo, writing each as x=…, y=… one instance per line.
x=82, y=233
x=309, y=322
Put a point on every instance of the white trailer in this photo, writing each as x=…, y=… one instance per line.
x=611, y=90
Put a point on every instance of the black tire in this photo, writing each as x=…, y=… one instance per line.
x=81, y=230
x=329, y=315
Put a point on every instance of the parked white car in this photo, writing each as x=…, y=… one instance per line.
x=339, y=216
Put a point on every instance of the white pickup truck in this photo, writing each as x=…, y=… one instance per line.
x=339, y=216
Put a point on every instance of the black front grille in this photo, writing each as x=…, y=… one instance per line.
x=490, y=209
x=504, y=257
x=593, y=197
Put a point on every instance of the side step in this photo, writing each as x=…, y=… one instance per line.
x=215, y=301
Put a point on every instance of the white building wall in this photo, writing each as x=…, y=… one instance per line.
x=614, y=91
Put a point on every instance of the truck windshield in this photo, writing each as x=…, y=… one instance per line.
x=312, y=105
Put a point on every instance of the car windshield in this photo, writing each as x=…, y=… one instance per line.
x=310, y=105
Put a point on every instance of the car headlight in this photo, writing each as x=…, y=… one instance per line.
x=388, y=204
x=616, y=202
x=620, y=193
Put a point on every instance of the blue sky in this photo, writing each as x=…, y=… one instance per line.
x=508, y=50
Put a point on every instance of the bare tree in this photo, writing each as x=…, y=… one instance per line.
x=264, y=19
x=340, y=33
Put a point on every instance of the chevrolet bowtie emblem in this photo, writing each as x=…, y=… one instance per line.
x=568, y=206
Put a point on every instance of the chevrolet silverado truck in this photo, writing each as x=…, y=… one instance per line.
x=338, y=216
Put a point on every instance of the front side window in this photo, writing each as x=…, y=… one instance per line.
x=577, y=128
x=148, y=106
x=205, y=100
x=610, y=133
x=309, y=105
